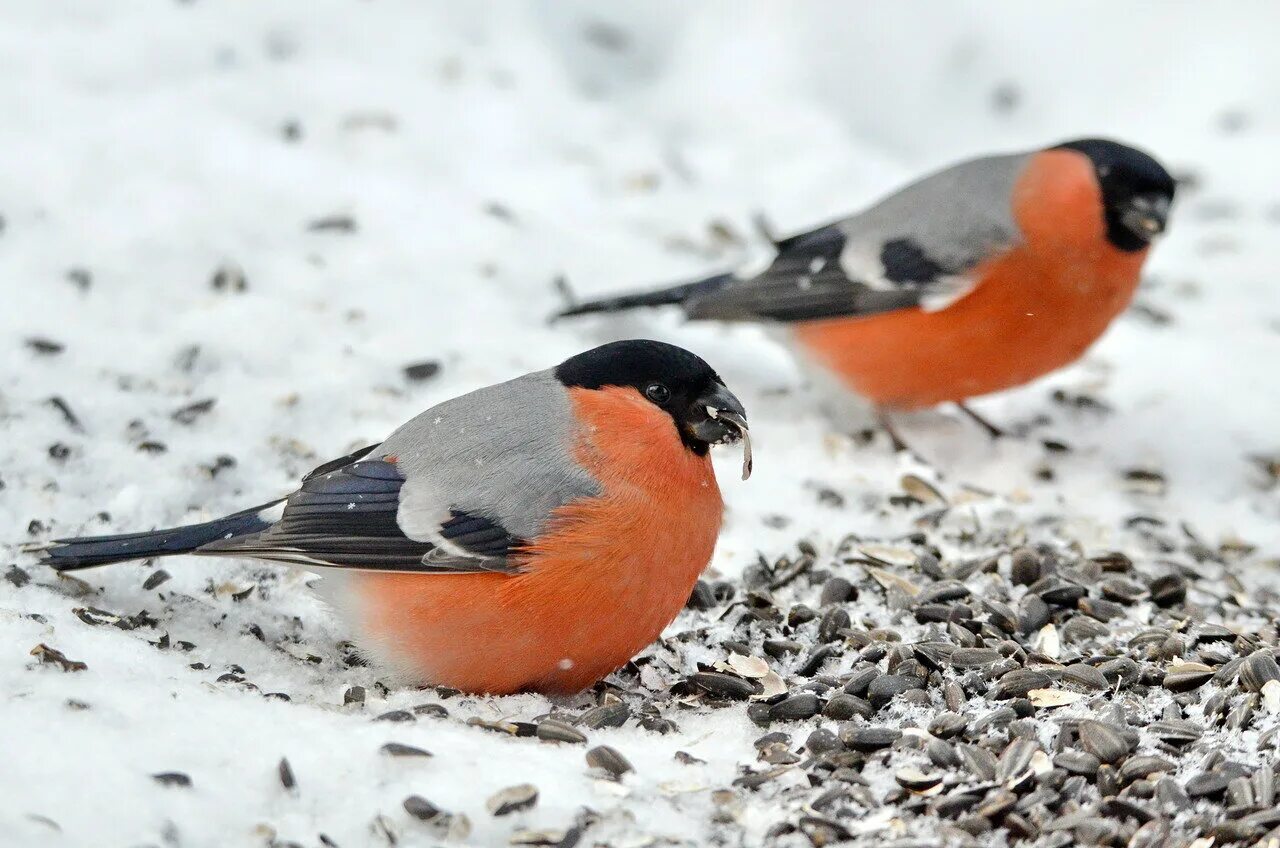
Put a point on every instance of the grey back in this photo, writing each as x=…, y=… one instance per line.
x=504, y=452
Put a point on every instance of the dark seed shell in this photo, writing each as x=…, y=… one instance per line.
x=821, y=741
x=1085, y=677
x=1142, y=767
x=719, y=685
x=1257, y=669
x=796, y=707
x=609, y=759
x=1102, y=740
x=1025, y=568
x=1078, y=762
x=974, y=657
x=512, y=799
x=420, y=808
x=980, y=762
x=398, y=749
x=1208, y=784
x=837, y=590
x=551, y=730
x=1187, y=676
x=948, y=724
x=1016, y=759
x=888, y=686
x=842, y=707
x=858, y=738
x=1017, y=683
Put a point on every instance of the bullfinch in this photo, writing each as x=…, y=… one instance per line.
x=529, y=536
x=978, y=278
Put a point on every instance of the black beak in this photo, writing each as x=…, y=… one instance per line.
x=717, y=418
x=1146, y=215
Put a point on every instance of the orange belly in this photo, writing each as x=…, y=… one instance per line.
x=609, y=574
x=1029, y=315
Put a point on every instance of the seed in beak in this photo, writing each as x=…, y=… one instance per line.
x=744, y=433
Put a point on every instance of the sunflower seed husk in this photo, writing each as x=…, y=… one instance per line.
x=1258, y=668
x=512, y=799
x=608, y=759
x=551, y=730
x=858, y=738
x=1102, y=740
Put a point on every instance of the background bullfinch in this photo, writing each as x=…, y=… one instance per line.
x=978, y=278
x=532, y=535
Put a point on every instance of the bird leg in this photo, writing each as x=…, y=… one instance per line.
x=992, y=430
x=899, y=446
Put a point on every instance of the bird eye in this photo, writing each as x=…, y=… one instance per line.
x=658, y=393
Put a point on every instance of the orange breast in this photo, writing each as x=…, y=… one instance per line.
x=1036, y=308
x=609, y=574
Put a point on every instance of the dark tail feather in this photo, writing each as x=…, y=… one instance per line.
x=674, y=295
x=90, y=551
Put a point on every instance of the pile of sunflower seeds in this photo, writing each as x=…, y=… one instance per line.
x=909, y=694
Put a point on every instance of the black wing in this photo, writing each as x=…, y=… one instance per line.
x=345, y=516
x=808, y=280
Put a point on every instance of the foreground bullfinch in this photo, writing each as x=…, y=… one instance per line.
x=529, y=536
x=975, y=279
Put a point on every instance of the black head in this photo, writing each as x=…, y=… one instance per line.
x=672, y=379
x=1136, y=191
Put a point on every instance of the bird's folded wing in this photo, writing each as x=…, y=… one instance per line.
x=920, y=247
x=459, y=489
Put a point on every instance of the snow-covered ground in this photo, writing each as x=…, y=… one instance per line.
x=278, y=206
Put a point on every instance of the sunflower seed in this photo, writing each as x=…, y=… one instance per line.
x=916, y=780
x=973, y=657
x=1143, y=766
x=1015, y=760
x=837, y=590
x=948, y=724
x=420, y=808
x=1017, y=683
x=1183, y=677
x=1077, y=762
x=980, y=762
x=842, y=707
x=888, y=686
x=617, y=713
x=1102, y=740
x=608, y=759
x=551, y=730
x=1168, y=590
x=398, y=749
x=1024, y=569
x=1208, y=784
x=868, y=738
x=795, y=707
x=512, y=799
x=1258, y=668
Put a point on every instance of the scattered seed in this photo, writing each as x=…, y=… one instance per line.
x=1258, y=668
x=399, y=749
x=286, y=774
x=868, y=738
x=551, y=730
x=721, y=686
x=512, y=799
x=172, y=778
x=796, y=707
x=1183, y=677
x=1102, y=740
x=421, y=809
x=52, y=656
x=608, y=759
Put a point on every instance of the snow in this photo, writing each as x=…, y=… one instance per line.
x=483, y=150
